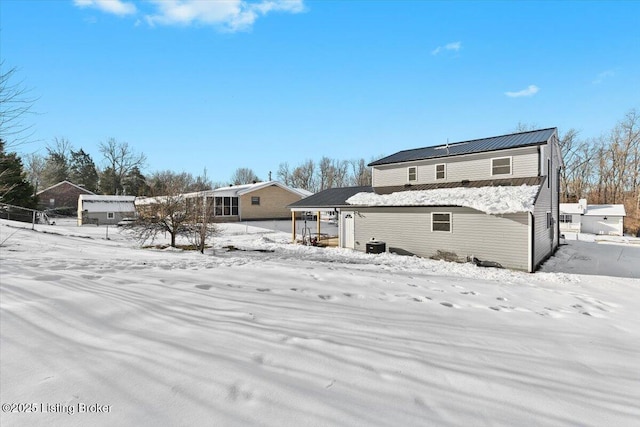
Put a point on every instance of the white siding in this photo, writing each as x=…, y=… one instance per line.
x=503, y=239
x=600, y=225
x=472, y=167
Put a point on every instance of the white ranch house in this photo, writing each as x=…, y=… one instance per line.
x=592, y=219
x=493, y=199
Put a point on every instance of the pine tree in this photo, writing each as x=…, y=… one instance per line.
x=15, y=189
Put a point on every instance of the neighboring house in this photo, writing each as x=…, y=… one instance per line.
x=593, y=219
x=258, y=201
x=104, y=210
x=63, y=195
x=493, y=199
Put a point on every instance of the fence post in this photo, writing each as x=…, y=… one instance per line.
x=33, y=220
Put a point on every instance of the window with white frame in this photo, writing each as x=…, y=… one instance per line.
x=255, y=200
x=566, y=219
x=441, y=171
x=441, y=221
x=226, y=206
x=412, y=173
x=501, y=166
x=111, y=215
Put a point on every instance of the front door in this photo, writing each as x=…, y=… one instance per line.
x=348, y=230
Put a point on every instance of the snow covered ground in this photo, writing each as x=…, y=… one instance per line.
x=101, y=332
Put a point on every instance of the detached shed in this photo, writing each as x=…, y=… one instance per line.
x=104, y=210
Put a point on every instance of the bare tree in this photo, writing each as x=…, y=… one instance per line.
x=244, y=176
x=525, y=127
x=284, y=174
x=200, y=228
x=16, y=102
x=304, y=176
x=173, y=210
x=34, y=167
x=120, y=159
x=361, y=172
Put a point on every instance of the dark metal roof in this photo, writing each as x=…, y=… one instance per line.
x=494, y=143
x=504, y=182
x=330, y=198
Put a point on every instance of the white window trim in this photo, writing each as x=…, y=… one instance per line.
x=409, y=173
x=111, y=215
x=500, y=158
x=565, y=216
x=450, y=222
x=436, y=171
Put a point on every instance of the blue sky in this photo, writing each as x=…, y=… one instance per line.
x=228, y=84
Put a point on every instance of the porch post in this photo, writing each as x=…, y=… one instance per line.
x=318, y=228
x=293, y=226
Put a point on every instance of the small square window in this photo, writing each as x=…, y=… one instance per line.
x=501, y=166
x=441, y=171
x=412, y=173
x=441, y=221
x=255, y=200
x=110, y=215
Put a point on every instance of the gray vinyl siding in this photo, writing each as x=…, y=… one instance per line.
x=101, y=218
x=542, y=235
x=471, y=167
x=546, y=238
x=503, y=239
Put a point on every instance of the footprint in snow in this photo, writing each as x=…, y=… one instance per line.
x=447, y=304
x=325, y=297
x=468, y=293
x=263, y=290
x=205, y=287
x=237, y=392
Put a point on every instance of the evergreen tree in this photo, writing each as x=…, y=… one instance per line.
x=108, y=182
x=56, y=169
x=135, y=184
x=82, y=170
x=15, y=189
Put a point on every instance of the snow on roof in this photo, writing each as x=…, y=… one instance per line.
x=605, y=210
x=100, y=203
x=491, y=200
x=239, y=190
x=592, y=210
x=102, y=198
x=65, y=182
x=571, y=208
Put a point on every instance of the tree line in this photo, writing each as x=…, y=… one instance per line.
x=604, y=169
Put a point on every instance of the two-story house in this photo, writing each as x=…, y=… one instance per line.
x=494, y=199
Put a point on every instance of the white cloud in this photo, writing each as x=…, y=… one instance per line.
x=455, y=46
x=117, y=7
x=602, y=76
x=530, y=91
x=229, y=15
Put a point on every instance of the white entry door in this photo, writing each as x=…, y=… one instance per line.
x=348, y=230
